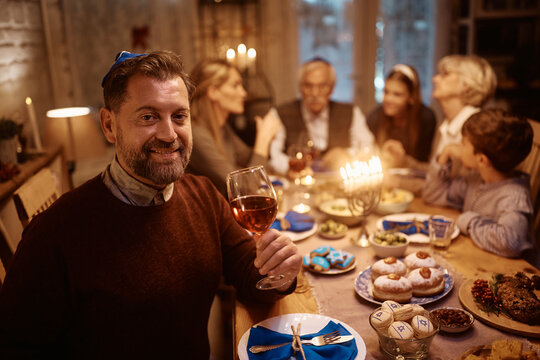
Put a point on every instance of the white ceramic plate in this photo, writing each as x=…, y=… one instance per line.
x=296, y=236
x=311, y=323
x=364, y=287
x=418, y=238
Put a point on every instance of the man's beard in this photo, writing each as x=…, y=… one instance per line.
x=159, y=173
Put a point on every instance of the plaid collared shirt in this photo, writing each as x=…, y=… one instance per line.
x=132, y=191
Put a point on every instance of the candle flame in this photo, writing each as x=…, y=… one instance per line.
x=28, y=101
x=230, y=54
x=251, y=53
x=241, y=49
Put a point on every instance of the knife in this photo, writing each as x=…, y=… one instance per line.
x=260, y=348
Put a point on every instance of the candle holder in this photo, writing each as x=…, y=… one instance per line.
x=363, y=185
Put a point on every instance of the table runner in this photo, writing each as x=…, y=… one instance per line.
x=337, y=298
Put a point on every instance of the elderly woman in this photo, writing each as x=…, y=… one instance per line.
x=402, y=119
x=217, y=150
x=462, y=87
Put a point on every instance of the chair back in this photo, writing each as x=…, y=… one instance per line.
x=531, y=165
x=35, y=195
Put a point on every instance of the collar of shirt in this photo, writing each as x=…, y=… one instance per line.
x=317, y=126
x=453, y=127
x=132, y=191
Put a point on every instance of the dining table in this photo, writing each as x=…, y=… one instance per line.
x=336, y=297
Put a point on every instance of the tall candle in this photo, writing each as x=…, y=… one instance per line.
x=252, y=55
x=242, y=57
x=33, y=123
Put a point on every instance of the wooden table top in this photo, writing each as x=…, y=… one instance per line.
x=467, y=258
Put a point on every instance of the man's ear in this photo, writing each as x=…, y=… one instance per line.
x=107, y=121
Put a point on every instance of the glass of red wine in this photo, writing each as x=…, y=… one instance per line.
x=254, y=207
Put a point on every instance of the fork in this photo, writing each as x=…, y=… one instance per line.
x=317, y=341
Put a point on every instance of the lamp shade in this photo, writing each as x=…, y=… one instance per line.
x=77, y=130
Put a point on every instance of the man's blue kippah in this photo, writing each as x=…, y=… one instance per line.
x=318, y=58
x=120, y=58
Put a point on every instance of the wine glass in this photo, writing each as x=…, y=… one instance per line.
x=254, y=207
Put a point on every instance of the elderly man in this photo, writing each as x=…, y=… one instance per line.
x=328, y=124
x=127, y=265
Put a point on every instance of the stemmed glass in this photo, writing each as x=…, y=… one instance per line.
x=254, y=206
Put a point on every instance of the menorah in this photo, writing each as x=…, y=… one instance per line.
x=363, y=184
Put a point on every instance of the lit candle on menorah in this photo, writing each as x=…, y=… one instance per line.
x=362, y=182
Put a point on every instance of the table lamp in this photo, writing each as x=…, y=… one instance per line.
x=69, y=113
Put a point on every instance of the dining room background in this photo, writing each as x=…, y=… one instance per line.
x=56, y=51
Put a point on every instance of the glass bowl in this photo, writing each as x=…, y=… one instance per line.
x=409, y=349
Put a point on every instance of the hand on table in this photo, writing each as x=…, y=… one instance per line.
x=277, y=255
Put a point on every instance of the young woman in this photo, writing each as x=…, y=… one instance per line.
x=402, y=120
x=217, y=150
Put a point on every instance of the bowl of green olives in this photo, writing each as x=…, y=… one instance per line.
x=389, y=244
x=331, y=229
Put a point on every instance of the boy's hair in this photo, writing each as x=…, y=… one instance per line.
x=504, y=138
x=160, y=65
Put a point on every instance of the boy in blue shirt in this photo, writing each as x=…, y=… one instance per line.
x=495, y=199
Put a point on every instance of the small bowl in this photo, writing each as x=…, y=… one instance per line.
x=331, y=229
x=338, y=210
x=453, y=319
x=394, y=201
x=407, y=349
x=386, y=250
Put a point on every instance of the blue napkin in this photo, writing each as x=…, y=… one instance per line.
x=262, y=336
x=298, y=222
x=277, y=183
x=389, y=225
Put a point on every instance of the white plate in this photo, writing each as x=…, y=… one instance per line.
x=296, y=236
x=311, y=323
x=418, y=238
x=364, y=287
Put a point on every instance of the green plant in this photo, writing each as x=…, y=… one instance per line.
x=9, y=128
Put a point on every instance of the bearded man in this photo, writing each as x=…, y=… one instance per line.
x=127, y=264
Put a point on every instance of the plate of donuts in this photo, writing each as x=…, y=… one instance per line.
x=419, y=238
x=364, y=288
x=328, y=261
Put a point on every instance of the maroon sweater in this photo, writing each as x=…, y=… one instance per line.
x=94, y=277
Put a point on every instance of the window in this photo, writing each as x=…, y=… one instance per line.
x=326, y=30
x=405, y=30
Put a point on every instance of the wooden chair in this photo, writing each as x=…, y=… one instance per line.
x=531, y=165
x=35, y=195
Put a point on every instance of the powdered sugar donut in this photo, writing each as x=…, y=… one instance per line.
x=426, y=281
x=387, y=266
x=392, y=287
x=419, y=259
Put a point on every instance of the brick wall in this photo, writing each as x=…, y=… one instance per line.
x=23, y=61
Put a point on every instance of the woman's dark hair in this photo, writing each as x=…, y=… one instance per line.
x=409, y=77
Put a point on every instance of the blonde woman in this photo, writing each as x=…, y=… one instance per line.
x=217, y=150
x=463, y=85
